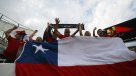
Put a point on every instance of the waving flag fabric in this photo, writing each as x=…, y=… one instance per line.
x=78, y=56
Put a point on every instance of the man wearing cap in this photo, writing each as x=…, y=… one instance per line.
x=13, y=44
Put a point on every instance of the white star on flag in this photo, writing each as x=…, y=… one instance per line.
x=40, y=48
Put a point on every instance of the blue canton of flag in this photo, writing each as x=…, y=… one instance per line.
x=39, y=53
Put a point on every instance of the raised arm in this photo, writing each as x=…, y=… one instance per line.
x=7, y=33
x=94, y=32
x=74, y=33
x=80, y=29
x=31, y=36
x=48, y=35
x=47, y=31
x=47, y=28
x=57, y=33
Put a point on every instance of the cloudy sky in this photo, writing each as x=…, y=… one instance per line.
x=93, y=13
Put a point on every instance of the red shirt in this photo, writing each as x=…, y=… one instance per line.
x=12, y=48
x=49, y=39
x=62, y=36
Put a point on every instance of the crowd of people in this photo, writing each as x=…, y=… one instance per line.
x=16, y=43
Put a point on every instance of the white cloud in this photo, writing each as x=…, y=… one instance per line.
x=108, y=13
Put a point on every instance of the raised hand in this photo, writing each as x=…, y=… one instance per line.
x=36, y=31
x=79, y=26
x=48, y=23
x=57, y=20
x=15, y=27
x=95, y=28
x=57, y=23
x=80, y=29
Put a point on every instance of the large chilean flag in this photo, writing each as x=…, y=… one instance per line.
x=78, y=56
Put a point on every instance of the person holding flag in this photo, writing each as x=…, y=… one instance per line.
x=15, y=43
x=66, y=31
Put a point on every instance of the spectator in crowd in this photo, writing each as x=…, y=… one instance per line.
x=87, y=33
x=111, y=32
x=79, y=27
x=49, y=35
x=66, y=31
x=100, y=32
x=13, y=44
x=38, y=39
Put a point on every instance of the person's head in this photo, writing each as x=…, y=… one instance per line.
x=38, y=39
x=87, y=33
x=67, y=32
x=19, y=34
x=104, y=34
x=110, y=32
x=100, y=32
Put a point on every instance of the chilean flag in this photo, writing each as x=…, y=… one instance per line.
x=78, y=56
